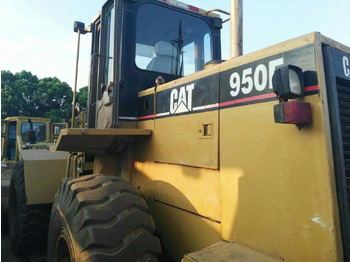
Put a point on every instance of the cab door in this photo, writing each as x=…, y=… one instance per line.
x=94, y=91
x=4, y=138
x=109, y=65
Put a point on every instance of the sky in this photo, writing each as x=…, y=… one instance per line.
x=37, y=35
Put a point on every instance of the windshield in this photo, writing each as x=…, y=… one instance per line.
x=171, y=42
x=39, y=128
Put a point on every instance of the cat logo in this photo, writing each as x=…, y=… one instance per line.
x=181, y=100
x=346, y=66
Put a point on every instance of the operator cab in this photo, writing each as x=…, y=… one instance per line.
x=133, y=43
x=12, y=127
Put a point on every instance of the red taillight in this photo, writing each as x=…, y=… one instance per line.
x=292, y=112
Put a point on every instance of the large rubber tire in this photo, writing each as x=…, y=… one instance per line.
x=101, y=218
x=28, y=225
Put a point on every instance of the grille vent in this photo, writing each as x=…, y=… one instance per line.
x=344, y=111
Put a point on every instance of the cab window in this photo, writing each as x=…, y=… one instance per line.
x=12, y=130
x=109, y=39
x=11, y=142
x=171, y=42
x=39, y=128
x=57, y=129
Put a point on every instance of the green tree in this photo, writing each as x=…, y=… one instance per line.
x=82, y=97
x=16, y=93
x=53, y=98
x=24, y=94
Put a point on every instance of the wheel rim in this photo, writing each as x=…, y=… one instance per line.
x=63, y=248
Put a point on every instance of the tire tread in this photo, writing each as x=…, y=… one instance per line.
x=107, y=218
x=30, y=234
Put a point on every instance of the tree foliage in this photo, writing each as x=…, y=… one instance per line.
x=82, y=97
x=16, y=93
x=23, y=94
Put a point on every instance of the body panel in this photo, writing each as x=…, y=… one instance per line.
x=281, y=176
x=179, y=230
x=275, y=200
x=43, y=173
x=181, y=186
x=178, y=108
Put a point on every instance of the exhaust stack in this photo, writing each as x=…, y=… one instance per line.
x=236, y=19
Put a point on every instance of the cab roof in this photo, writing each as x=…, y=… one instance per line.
x=18, y=118
x=189, y=7
x=181, y=5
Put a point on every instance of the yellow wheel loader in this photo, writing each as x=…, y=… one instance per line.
x=46, y=132
x=28, y=188
x=32, y=175
x=238, y=160
x=199, y=159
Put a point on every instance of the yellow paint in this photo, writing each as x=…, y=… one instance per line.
x=279, y=201
x=107, y=164
x=187, y=146
x=179, y=230
x=196, y=190
x=178, y=140
x=43, y=173
x=128, y=124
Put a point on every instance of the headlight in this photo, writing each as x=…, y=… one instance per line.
x=288, y=82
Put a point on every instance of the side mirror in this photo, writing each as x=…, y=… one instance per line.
x=79, y=27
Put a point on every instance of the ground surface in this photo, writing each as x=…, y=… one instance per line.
x=6, y=253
